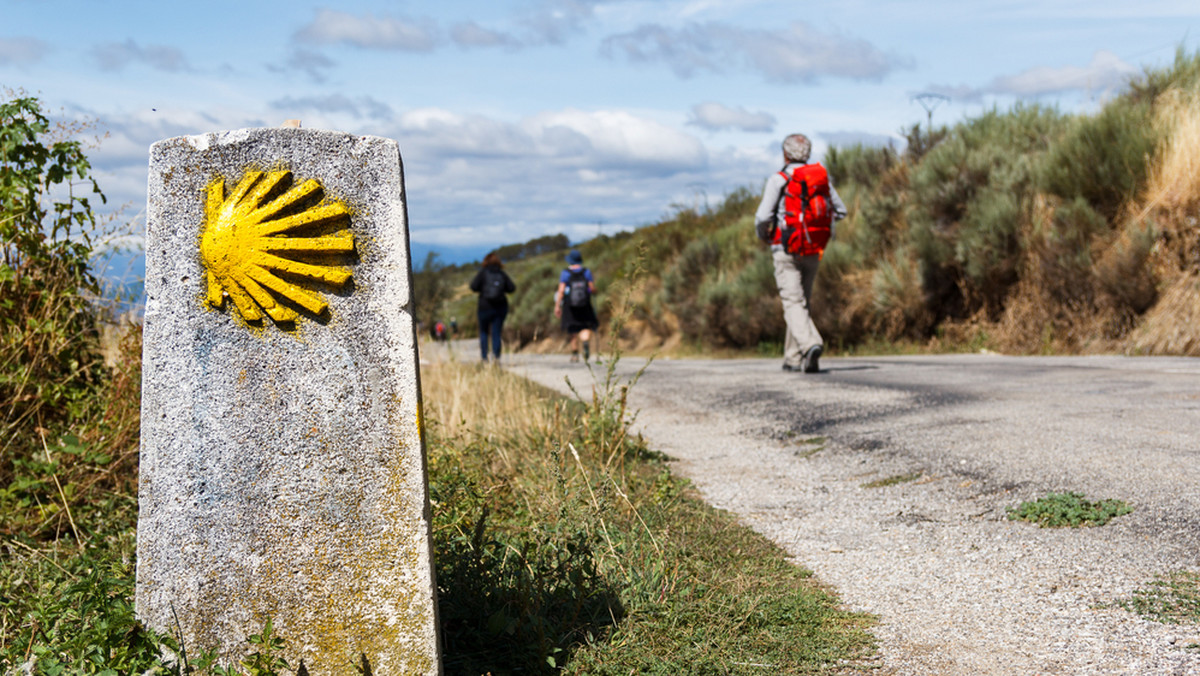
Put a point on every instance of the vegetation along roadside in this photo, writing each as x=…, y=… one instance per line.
x=562, y=543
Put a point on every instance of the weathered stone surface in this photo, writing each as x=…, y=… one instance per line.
x=282, y=464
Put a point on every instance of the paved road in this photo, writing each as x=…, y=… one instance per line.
x=957, y=586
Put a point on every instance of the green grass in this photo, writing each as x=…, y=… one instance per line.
x=1058, y=510
x=1173, y=598
x=809, y=446
x=565, y=545
x=893, y=480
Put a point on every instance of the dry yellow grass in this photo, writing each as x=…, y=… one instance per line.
x=1175, y=177
x=476, y=402
x=1170, y=327
x=1172, y=203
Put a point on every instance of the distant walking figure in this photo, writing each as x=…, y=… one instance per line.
x=573, y=303
x=492, y=284
x=798, y=216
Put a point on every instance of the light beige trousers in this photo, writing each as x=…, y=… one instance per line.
x=794, y=275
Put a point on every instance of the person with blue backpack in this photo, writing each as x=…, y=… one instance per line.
x=797, y=217
x=573, y=303
x=493, y=285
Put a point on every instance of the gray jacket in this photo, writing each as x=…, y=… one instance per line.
x=769, y=214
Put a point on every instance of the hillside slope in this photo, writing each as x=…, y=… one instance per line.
x=1023, y=231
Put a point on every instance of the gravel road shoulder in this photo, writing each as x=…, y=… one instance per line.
x=957, y=587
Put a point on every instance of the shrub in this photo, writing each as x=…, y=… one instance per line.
x=1104, y=158
x=49, y=346
x=742, y=312
x=859, y=165
x=971, y=197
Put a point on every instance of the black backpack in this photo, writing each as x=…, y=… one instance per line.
x=577, y=289
x=493, y=285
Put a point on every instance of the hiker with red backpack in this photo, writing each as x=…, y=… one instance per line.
x=573, y=303
x=797, y=218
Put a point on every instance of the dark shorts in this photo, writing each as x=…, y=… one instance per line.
x=576, y=319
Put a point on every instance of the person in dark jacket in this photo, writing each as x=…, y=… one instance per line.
x=493, y=285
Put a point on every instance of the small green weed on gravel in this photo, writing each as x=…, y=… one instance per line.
x=893, y=480
x=810, y=446
x=1058, y=510
x=1171, y=599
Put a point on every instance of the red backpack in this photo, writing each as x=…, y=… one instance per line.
x=807, y=217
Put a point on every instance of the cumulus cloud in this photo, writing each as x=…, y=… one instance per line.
x=471, y=177
x=556, y=171
x=115, y=56
x=471, y=34
x=553, y=21
x=331, y=27
x=312, y=63
x=797, y=54
x=21, y=51
x=617, y=139
x=1105, y=72
x=716, y=117
x=358, y=107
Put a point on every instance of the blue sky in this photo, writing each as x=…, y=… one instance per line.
x=531, y=117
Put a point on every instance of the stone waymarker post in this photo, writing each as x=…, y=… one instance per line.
x=282, y=461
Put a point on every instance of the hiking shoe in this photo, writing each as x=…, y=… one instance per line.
x=812, y=358
x=792, y=369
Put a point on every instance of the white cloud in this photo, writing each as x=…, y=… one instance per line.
x=616, y=139
x=114, y=56
x=1105, y=72
x=22, y=51
x=556, y=171
x=552, y=21
x=716, y=117
x=473, y=178
x=312, y=63
x=331, y=27
x=358, y=107
x=471, y=34
x=799, y=53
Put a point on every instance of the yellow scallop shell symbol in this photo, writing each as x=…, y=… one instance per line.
x=248, y=251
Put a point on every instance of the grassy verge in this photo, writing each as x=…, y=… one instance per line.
x=564, y=545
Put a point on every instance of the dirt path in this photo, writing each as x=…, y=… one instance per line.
x=957, y=587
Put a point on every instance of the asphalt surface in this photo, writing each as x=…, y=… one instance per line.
x=957, y=586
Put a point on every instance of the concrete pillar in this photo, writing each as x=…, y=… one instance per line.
x=282, y=465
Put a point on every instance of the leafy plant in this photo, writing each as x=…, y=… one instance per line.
x=49, y=356
x=1173, y=598
x=1057, y=510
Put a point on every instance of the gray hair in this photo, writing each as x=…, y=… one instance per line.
x=797, y=148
